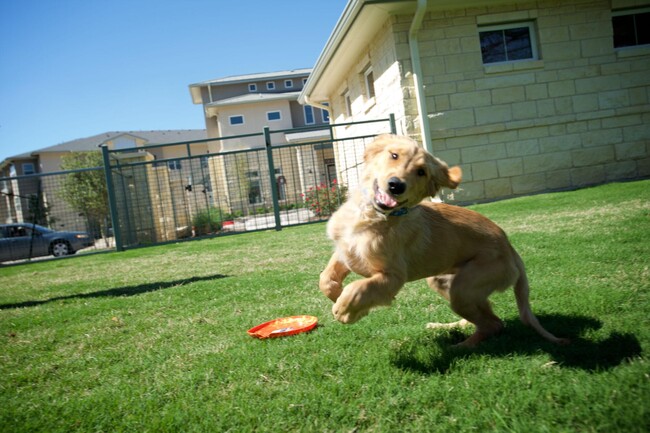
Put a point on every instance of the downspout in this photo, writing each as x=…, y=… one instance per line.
x=420, y=97
x=316, y=104
x=322, y=107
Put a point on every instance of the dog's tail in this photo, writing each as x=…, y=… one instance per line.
x=526, y=315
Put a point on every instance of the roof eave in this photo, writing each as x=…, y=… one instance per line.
x=264, y=97
x=340, y=52
x=195, y=93
x=251, y=78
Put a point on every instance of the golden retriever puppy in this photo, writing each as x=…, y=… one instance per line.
x=387, y=234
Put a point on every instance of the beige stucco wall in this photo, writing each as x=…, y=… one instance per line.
x=580, y=115
x=254, y=121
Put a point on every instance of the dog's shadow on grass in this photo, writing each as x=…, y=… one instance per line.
x=434, y=352
x=116, y=292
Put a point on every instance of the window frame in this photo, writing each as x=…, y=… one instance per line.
x=25, y=171
x=268, y=114
x=174, y=164
x=288, y=84
x=230, y=120
x=270, y=85
x=252, y=87
x=347, y=102
x=309, y=108
x=632, y=13
x=369, y=82
x=532, y=34
x=325, y=114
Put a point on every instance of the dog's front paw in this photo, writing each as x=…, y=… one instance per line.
x=345, y=314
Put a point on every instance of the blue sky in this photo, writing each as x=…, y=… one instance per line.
x=74, y=68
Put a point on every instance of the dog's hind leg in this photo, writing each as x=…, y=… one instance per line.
x=441, y=284
x=468, y=297
x=331, y=279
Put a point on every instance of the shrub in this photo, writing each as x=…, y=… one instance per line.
x=323, y=200
x=207, y=221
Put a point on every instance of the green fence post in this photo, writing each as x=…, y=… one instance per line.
x=112, y=202
x=393, y=127
x=274, y=189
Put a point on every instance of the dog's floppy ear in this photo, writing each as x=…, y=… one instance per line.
x=442, y=175
x=454, y=176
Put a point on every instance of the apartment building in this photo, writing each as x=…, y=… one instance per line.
x=239, y=106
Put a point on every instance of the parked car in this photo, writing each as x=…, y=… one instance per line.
x=24, y=241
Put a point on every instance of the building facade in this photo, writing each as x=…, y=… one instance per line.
x=240, y=106
x=526, y=96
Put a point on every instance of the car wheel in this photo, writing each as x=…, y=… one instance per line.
x=60, y=248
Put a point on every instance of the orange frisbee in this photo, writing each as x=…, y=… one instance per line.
x=284, y=326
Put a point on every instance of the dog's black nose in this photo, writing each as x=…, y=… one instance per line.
x=396, y=186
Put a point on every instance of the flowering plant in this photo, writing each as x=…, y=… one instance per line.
x=323, y=200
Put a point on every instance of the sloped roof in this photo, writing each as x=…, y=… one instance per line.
x=151, y=137
x=255, y=77
x=93, y=142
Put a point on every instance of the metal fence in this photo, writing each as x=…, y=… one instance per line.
x=170, y=192
x=56, y=214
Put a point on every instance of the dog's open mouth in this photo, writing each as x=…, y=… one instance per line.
x=384, y=201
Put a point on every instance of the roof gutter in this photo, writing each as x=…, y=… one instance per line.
x=420, y=97
x=308, y=101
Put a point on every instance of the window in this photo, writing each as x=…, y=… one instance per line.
x=288, y=84
x=508, y=43
x=348, y=103
x=236, y=120
x=28, y=168
x=273, y=116
x=304, y=81
x=252, y=87
x=325, y=113
x=270, y=85
x=309, y=115
x=174, y=165
x=631, y=28
x=369, y=81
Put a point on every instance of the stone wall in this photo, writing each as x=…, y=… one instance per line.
x=579, y=115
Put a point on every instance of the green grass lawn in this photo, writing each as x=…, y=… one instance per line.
x=154, y=339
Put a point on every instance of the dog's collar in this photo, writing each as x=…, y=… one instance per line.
x=399, y=212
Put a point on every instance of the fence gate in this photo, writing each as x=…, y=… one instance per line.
x=259, y=181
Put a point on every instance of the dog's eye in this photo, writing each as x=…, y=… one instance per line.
x=421, y=172
x=394, y=155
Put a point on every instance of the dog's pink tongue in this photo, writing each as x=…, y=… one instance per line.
x=385, y=199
